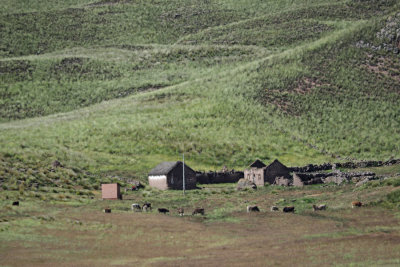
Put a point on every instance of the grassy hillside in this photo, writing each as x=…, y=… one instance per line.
x=110, y=88
x=114, y=87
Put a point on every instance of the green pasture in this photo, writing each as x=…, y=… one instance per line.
x=112, y=88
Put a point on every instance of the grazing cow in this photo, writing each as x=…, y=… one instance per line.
x=15, y=203
x=163, y=210
x=136, y=207
x=198, y=211
x=181, y=211
x=107, y=210
x=356, y=204
x=319, y=207
x=288, y=209
x=146, y=207
x=274, y=208
x=57, y=164
x=252, y=209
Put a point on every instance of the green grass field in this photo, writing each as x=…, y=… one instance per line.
x=110, y=88
x=65, y=229
x=225, y=82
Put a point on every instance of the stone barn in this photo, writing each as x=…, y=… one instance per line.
x=110, y=191
x=276, y=169
x=256, y=172
x=259, y=173
x=169, y=175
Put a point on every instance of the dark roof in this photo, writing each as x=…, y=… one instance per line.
x=277, y=164
x=165, y=167
x=258, y=164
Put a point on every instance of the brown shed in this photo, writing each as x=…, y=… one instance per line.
x=259, y=173
x=169, y=175
x=110, y=191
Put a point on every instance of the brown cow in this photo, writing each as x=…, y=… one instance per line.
x=356, y=204
x=181, y=211
x=198, y=211
x=288, y=209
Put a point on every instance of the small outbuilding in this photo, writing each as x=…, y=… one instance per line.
x=110, y=191
x=169, y=175
x=260, y=174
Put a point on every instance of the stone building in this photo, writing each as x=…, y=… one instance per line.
x=169, y=175
x=260, y=174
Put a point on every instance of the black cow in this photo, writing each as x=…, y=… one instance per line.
x=146, y=207
x=15, y=203
x=288, y=209
x=252, y=209
x=163, y=210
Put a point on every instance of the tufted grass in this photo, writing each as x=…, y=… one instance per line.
x=223, y=82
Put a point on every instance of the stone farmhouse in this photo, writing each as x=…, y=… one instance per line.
x=260, y=174
x=169, y=175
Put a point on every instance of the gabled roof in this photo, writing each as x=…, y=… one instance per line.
x=276, y=164
x=257, y=164
x=166, y=167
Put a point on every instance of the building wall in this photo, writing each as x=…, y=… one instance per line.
x=175, y=178
x=297, y=181
x=255, y=175
x=110, y=191
x=275, y=170
x=218, y=177
x=158, y=181
x=280, y=180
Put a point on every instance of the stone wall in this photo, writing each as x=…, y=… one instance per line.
x=300, y=179
x=218, y=177
x=346, y=165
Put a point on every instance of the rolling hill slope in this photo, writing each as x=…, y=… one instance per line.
x=114, y=87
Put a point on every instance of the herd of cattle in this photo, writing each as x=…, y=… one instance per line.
x=292, y=208
x=146, y=207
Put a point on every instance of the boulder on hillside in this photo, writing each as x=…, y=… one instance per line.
x=365, y=180
x=243, y=184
